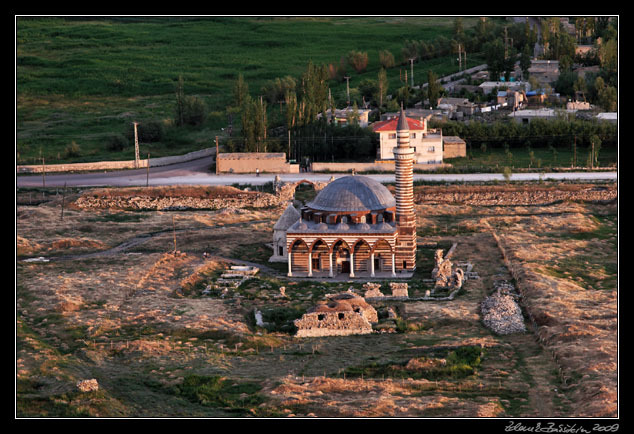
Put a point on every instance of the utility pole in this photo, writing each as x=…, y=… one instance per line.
x=147, y=175
x=136, y=146
x=216, y=155
x=174, y=232
x=459, y=57
x=348, y=89
x=411, y=62
x=43, y=174
x=63, y=200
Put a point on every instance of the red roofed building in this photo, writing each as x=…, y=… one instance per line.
x=427, y=144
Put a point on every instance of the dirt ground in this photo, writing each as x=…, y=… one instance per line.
x=118, y=296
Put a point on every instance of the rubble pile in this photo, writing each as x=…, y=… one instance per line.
x=500, y=311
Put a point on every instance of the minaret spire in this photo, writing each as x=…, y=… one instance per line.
x=405, y=215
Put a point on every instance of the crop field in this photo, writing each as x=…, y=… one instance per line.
x=79, y=81
x=110, y=299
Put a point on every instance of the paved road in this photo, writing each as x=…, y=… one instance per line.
x=197, y=173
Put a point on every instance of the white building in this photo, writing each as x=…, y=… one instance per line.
x=488, y=86
x=427, y=144
x=342, y=116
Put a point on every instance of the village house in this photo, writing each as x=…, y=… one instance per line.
x=254, y=162
x=427, y=143
x=342, y=116
x=488, y=86
x=544, y=71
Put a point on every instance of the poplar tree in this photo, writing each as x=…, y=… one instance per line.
x=240, y=91
x=382, y=86
x=433, y=88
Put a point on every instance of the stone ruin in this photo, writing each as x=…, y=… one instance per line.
x=232, y=278
x=400, y=290
x=285, y=191
x=88, y=385
x=444, y=275
x=501, y=312
x=342, y=315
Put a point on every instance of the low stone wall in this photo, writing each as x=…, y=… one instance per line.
x=115, y=165
x=368, y=167
x=256, y=200
x=513, y=195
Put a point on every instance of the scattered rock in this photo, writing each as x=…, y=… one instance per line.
x=88, y=385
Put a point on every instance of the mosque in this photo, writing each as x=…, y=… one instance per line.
x=355, y=227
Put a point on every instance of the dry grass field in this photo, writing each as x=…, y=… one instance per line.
x=110, y=299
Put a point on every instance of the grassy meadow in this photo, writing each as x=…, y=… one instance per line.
x=81, y=80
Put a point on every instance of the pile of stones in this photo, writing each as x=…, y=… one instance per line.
x=501, y=312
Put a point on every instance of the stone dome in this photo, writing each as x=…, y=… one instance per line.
x=353, y=193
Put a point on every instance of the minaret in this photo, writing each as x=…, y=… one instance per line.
x=405, y=257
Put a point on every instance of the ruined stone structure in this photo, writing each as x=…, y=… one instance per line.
x=445, y=276
x=355, y=227
x=344, y=314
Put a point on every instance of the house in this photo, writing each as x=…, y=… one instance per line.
x=415, y=113
x=254, y=162
x=488, y=86
x=583, y=70
x=512, y=99
x=450, y=104
x=427, y=143
x=544, y=71
x=342, y=116
x=526, y=116
x=453, y=147
x=608, y=117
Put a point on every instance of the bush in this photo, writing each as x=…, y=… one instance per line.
x=72, y=150
x=194, y=111
x=216, y=391
x=148, y=132
x=117, y=142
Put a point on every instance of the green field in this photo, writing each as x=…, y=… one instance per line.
x=79, y=81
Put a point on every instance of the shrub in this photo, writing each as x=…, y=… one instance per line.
x=194, y=111
x=358, y=60
x=148, y=131
x=117, y=142
x=216, y=391
x=72, y=150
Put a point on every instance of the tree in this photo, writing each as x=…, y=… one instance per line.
x=386, y=59
x=494, y=56
x=358, y=60
x=260, y=125
x=606, y=95
x=382, y=86
x=190, y=110
x=247, y=119
x=593, y=154
x=180, y=101
x=433, y=88
x=291, y=109
x=368, y=88
x=608, y=55
x=240, y=91
x=458, y=29
x=525, y=60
